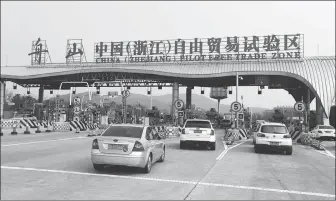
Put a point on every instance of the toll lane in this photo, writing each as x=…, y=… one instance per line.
x=274, y=175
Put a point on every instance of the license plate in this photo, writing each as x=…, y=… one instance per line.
x=197, y=131
x=115, y=146
x=274, y=143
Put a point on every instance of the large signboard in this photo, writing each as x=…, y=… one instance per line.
x=231, y=48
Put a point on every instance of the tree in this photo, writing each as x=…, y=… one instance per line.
x=278, y=116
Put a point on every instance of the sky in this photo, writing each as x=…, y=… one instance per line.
x=57, y=21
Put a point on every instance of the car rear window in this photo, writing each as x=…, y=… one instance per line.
x=197, y=124
x=274, y=129
x=326, y=127
x=124, y=131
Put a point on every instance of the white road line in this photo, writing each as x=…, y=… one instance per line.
x=270, y=189
x=226, y=150
x=329, y=153
x=172, y=181
x=7, y=145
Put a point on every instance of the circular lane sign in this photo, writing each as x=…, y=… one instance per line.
x=179, y=104
x=300, y=106
x=236, y=106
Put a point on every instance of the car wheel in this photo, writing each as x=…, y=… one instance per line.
x=256, y=149
x=289, y=151
x=163, y=155
x=98, y=167
x=148, y=167
x=213, y=146
x=182, y=145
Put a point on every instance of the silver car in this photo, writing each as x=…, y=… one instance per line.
x=128, y=145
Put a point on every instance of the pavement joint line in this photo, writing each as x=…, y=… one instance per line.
x=174, y=181
x=62, y=139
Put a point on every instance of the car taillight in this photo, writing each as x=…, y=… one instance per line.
x=287, y=136
x=261, y=135
x=138, y=146
x=319, y=131
x=183, y=131
x=212, y=132
x=95, y=144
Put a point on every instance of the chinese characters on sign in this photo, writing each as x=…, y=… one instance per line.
x=210, y=49
x=39, y=52
x=75, y=51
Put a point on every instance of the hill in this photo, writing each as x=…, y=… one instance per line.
x=162, y=102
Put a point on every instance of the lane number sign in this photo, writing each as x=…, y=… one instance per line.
x=77, y=101
x=236, y=106
x=179, y=104
x=76, y=110
x=125, y=93
x=299, y=106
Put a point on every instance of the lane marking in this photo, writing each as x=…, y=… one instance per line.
x=329, y=153
x=269, y=189
x=226, y=150
x=173, y=181
x=62, y=139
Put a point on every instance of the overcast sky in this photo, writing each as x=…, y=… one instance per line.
x=57, y=21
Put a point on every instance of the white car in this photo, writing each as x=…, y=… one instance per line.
x=198, y=131
x=127, y=145
x=273, y=136
x=324, y=132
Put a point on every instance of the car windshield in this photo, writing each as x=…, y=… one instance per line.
x=326, y=127
x=197, y=124
x=274, y=129
x=124, y=131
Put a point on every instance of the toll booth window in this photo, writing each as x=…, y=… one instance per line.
x=124, y=131
x=198, y=124
x=274, y=129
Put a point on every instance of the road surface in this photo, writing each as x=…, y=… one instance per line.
x=58, y=166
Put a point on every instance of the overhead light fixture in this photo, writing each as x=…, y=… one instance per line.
x=149, y=91
x=15, y=86
x=230, y=90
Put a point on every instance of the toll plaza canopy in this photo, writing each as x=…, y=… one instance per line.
x=276, y=61
x=317, y=73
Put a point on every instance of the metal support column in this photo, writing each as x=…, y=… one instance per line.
x=308, y=110
x=41, y=94
x=2, y=97
x=319, y=112
x=175, y=96
x=188, y=97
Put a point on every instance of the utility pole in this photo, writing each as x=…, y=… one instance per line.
x=237, y=98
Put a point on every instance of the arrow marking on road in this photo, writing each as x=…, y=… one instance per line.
x=172, y=181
